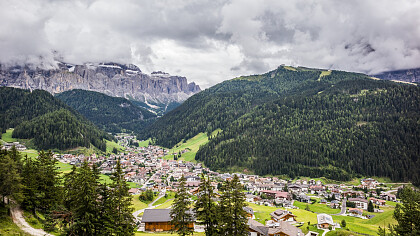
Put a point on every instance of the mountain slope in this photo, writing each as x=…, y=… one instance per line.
x=52, y=124
x=304, y=122
x=223, y=103
x=112, y=114
x=409, y=75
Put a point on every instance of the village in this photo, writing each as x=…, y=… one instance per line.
x=153, y=168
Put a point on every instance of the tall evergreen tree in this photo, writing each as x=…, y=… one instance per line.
x=408, y=214
x=83, y=197
x=49, y=181
x=122, y=218
x=30, y=182
x=181, y=216
x=205, y=208
x=10, y=179
x=225, y=209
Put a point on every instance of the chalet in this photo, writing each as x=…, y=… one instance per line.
x=369, y=183
x=335, y=204
x=360, y=202
x=278, y=194
x=316, y=188
x=303, y=198
x=378, y=202
x=279, y=229
x=282, y=215
x=324, y=221
x=355, y=212
x=157, y=220
x=388, y=197
x=249, y=211
x=295, y=188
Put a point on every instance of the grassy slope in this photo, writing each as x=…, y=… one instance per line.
x=170, y=195
x=317, y=207
x=144, y=143
x=193, y=144
x=137, y=204
x=353, y=223
x=110, y=146
x=7, y=137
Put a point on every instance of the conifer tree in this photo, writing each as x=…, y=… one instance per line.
x=408, y=214
x=205, y=208
x=10, y=179
x=30, y=182
x=49, y=181
x=231, y=207
x=181, y=216
x=122, y=219
x=83, y=197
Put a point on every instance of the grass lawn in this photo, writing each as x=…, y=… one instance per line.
x=7, y=137
x=262, y=213
x=110, y=145
x=32, y=153
x=317, y=207
x=368, y=226
x=165, y=205
x=192, y=144
x=137, y=204
x=324, y=73
x=170, y=195
x=107, y=179
x=144, y=143
x=64, y=167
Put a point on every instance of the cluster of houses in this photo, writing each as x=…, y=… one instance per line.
x=18, y=146
x=147, y=167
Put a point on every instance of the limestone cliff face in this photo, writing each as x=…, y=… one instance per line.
x=409, y=75
x=110, y=78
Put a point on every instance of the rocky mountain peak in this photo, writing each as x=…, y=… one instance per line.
x=111, y=78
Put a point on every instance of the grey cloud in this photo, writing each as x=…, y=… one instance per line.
x=213, y=40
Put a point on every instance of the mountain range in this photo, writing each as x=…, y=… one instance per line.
x=156, y=91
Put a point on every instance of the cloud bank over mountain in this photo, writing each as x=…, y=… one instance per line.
x=210, y=41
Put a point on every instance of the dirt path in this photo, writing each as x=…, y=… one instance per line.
x=20, y=221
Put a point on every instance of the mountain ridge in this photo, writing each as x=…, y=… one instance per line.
x=113, y=79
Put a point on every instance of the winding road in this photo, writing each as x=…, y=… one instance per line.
x=19, y=220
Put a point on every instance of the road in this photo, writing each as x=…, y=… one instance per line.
x=343, y=208
x=19, y=220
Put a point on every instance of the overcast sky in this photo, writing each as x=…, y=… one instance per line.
x=211, y=41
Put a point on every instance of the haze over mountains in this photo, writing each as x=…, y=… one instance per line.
x=157, y=90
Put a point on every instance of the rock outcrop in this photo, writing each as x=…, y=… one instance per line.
x=113, y=79
x=409, y=75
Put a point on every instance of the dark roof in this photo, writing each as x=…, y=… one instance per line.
x=159, y=215
x=156, y=215
x=248, y=210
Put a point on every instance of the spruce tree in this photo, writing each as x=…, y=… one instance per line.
x=83, y=198
x=205, y=208
x=231, y=207
x=122, y=219
x=181, y=216
x=370, y=207
x=10, y=179
x=407, y=214
x=49, y=181
x=238, y=203
x=30, y=182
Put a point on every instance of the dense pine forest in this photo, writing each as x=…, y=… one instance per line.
x=303, y=122
x=112, y=114
x=49, y=122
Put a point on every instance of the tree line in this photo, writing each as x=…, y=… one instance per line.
x=113, y=114
x=224, y=217
x=74, y=204
x=49, y=122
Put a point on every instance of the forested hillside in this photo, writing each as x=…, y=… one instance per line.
x=113, y=114
x=49, y=122
x=303, y=122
